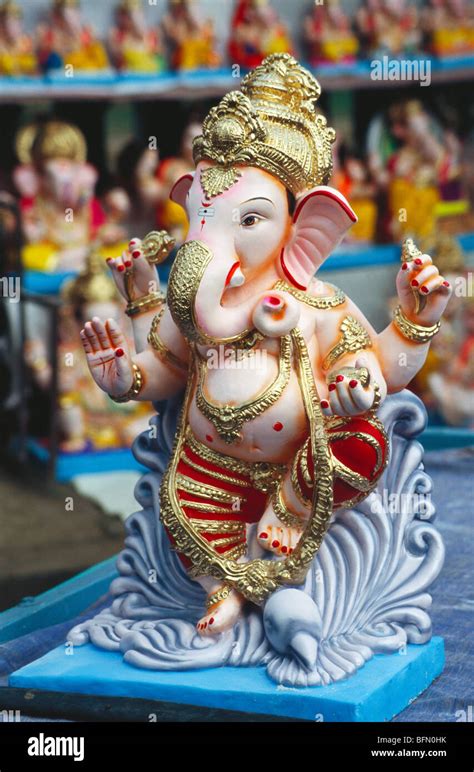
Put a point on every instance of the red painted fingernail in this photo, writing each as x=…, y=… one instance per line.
x=353, y=383
x=339, y=378
x=121, y=268
x=425, y=289
x=332, y=386
x=324, y=403
x=205, y=624
x=418, y=261
x=211, y=621
x=284, y=549
x=119, y=352
x=290, y=550
x=137, y=253
x=414, y=283
x=132, y=242
x=446, y=284
x=275, y=543
x=404, y=266
x=263, y=535
x=128, y=263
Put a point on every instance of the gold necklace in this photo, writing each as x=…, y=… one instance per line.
x=312, y=300
x=229, y=419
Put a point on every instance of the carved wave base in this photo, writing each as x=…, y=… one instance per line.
x=365, y=595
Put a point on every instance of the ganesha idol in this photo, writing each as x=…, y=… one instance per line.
x=60, y=214
x=64, y=41
x=283, y=433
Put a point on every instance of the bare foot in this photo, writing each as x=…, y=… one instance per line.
x=222, y=614
x=279, y=539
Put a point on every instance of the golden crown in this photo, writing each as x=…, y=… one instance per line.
x=38, y=143
x=270, y=123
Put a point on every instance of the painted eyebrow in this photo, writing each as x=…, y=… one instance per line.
x=258, y=198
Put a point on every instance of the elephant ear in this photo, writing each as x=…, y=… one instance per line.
x=321, y=219
x=180, y=189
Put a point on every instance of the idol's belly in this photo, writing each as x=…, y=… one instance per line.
x=273, y=434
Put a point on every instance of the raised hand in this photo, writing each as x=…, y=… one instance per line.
x=420, y=277
x=108, y=356
x=144, y=277
x=350, y=394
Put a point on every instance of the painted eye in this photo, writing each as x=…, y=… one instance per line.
x=249, y=220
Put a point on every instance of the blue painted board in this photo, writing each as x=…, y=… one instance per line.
x=58, y=604
x=377, y=692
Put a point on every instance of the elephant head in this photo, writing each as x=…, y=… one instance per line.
x=240, y=243
x=259, y=208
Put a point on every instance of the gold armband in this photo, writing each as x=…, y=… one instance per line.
x=354, y=338
x=145, y=303
x=166, y=356
x=134, y=389
x=416, y=333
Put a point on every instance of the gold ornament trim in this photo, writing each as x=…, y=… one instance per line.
x=229, y=419
x=135, y=388
x=413, y=332
x=322, y=303
x=283, y=514
x=219, y=595
x=354, y=337
x=256, y=579
x=164, y=353
x=145, y=303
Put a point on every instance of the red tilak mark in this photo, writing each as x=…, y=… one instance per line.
x=353, y=383
x=119, y=352
x=339, y=378
x=332, y=386
x=418, y=261
x=209, y=438
x=278, y=426
x=414, y=283
x=275, y=543
x=324, y=403
x=203, y=222
x=425, y=290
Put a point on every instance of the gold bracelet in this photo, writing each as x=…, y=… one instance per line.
x=135, y=388
x=144, y=303
x=283, y=514
x=411, y=331
x=161, y=349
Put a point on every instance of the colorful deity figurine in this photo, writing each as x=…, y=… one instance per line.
x=17, y=56
x=190, y=38
x=134, y=46
x=388, y=27
x=449, y=27
x=66, y=41
x=257, y=31
x=60, y=214
x=328, y=35
x=261, y=460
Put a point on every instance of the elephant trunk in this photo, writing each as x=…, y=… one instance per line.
x=196, y=284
